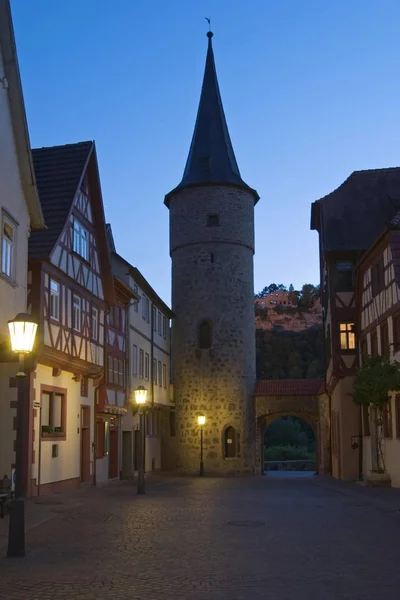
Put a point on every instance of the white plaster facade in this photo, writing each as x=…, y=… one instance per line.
x=20, y=209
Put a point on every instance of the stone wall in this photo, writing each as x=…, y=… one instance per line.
x=212, y=278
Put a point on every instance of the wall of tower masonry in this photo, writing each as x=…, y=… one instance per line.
x=212, y=278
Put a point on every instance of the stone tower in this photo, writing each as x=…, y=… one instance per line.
x=213, y=334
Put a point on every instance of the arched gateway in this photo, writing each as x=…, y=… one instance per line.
x=304, y=398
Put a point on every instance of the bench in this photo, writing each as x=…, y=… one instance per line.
x=5, y=494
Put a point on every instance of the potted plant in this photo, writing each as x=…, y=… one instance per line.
x=373, y=383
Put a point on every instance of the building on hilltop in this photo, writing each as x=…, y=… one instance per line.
x=20, y=213
x=213, y=332
x=360, y=298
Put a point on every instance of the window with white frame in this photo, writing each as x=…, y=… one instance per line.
x=164, y=327
x=159, y=323
x=146, y=308
x=164, y=375
x=95, y=324
x=146, y=366
x=141, y=363
x=8, y=246
x=76, y=312
x=159, y=373
x=80, y=240
x=54, y=300
x=136, y=304
x=134, y=360
x=154, y=371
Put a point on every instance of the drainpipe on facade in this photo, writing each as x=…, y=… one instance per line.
x=94, y=445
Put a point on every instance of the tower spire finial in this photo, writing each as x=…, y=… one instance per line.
x=209, y=32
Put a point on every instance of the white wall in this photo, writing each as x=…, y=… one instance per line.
x=12, y=200
x=67, y=465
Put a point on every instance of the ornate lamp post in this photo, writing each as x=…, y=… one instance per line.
x=140, y=399
x=22, y=335
x=201, y=420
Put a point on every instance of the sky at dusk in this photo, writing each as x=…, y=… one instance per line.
x=311, y=92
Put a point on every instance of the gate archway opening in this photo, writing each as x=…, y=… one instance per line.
x=290, y=443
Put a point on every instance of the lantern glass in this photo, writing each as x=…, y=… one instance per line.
x=140, y=395
x=22, y=333
x=201, y=420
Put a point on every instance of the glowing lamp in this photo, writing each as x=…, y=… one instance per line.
x=201, y=420
x=22, y=333
x=140, y=395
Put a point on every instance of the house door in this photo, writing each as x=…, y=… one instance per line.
x=113, y=462
x=85, y=444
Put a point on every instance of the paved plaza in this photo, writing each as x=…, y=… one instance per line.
x=211, y=538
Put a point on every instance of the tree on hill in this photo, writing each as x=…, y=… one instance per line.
x=290, y=355
x=270, y=289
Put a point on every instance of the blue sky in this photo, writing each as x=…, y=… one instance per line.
x=311, y=92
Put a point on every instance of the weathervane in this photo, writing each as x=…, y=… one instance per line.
x=209, y=23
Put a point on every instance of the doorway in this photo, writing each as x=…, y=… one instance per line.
x=85, y=444
x=113, y=459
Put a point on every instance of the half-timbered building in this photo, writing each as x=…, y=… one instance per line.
x=70, y=290
x=149, y=351
x=113, y=402
x=378, y=284
x=348, y=221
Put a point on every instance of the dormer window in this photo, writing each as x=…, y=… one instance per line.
x=80, y=240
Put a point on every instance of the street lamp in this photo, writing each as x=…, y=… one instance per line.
x=22, y=336
x=201, y=420
x=140, y=399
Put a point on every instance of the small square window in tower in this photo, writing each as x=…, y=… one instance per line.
x=213, y=220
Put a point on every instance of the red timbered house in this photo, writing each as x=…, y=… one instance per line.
x=378, y=324
x=348, y=221
x=70, y=289
x=113, y=403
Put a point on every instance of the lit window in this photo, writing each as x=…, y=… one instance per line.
x=76, y=312
x=53, y=420
x=347, y=336
x=7, y=247
x=80, y=242
x=54, y=300
x=95, y=324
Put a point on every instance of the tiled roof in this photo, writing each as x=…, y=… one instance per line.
x=58, y=171
x=354, y=215
x=289, y=387
x=211, y=157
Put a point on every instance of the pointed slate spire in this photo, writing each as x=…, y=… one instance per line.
x=211, y=158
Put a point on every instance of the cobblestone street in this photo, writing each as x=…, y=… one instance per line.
x=210, y=539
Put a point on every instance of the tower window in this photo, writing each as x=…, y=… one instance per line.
x=213, y=220
x=230, y=442
x=204, y=340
